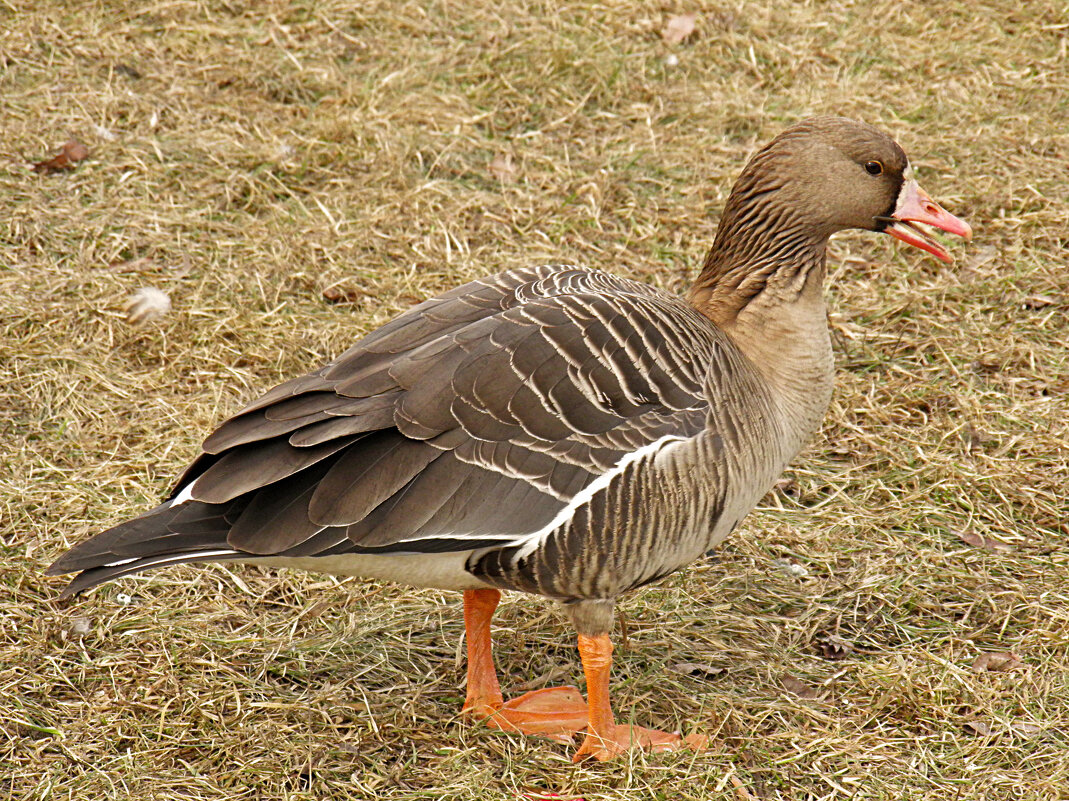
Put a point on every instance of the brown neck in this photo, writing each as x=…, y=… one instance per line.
x=760, y=250
x=762, y=285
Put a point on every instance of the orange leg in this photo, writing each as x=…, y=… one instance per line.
x=484, y=693
x=555, y=712
x=604, y=738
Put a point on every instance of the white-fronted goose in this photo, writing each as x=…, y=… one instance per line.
x=552, y=430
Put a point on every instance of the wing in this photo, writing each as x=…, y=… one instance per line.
x=470, y=421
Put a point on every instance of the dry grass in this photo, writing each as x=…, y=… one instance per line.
x=245, y=157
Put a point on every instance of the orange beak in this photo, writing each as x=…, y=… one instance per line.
x=915, y=206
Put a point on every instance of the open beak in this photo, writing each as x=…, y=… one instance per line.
x=915, y=206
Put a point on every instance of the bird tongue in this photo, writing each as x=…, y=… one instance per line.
x=915, y=206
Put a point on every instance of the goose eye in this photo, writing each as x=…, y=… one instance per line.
x=873, y=168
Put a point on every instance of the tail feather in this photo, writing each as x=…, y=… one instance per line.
x=107, y=546
x=166, y=535
x=98, y=575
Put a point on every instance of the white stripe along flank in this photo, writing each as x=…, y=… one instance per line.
x=531, y=542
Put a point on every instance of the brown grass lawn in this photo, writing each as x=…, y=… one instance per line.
x=293, y=174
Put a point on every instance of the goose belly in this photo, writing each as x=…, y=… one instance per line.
x=444, y=571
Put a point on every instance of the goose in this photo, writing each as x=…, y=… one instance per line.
x=552, y=430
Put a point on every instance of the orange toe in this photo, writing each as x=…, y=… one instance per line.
x=554, y=712
x=624, y=738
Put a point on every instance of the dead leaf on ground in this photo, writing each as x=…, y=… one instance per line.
x=978, y=727
x=997, y=660
x=740, y=789
x=1026, y=729
x=73, y=151
x=834, y=647
x=986, y=367
x=503, y=169
x=143, y=264
x=679, y=28
x=700, y=670
x=342, y=294
x=800, y=688
x=987, y=543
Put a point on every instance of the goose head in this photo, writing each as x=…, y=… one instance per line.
x=828, y=174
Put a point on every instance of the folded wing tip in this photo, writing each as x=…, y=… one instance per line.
x=66, y=563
